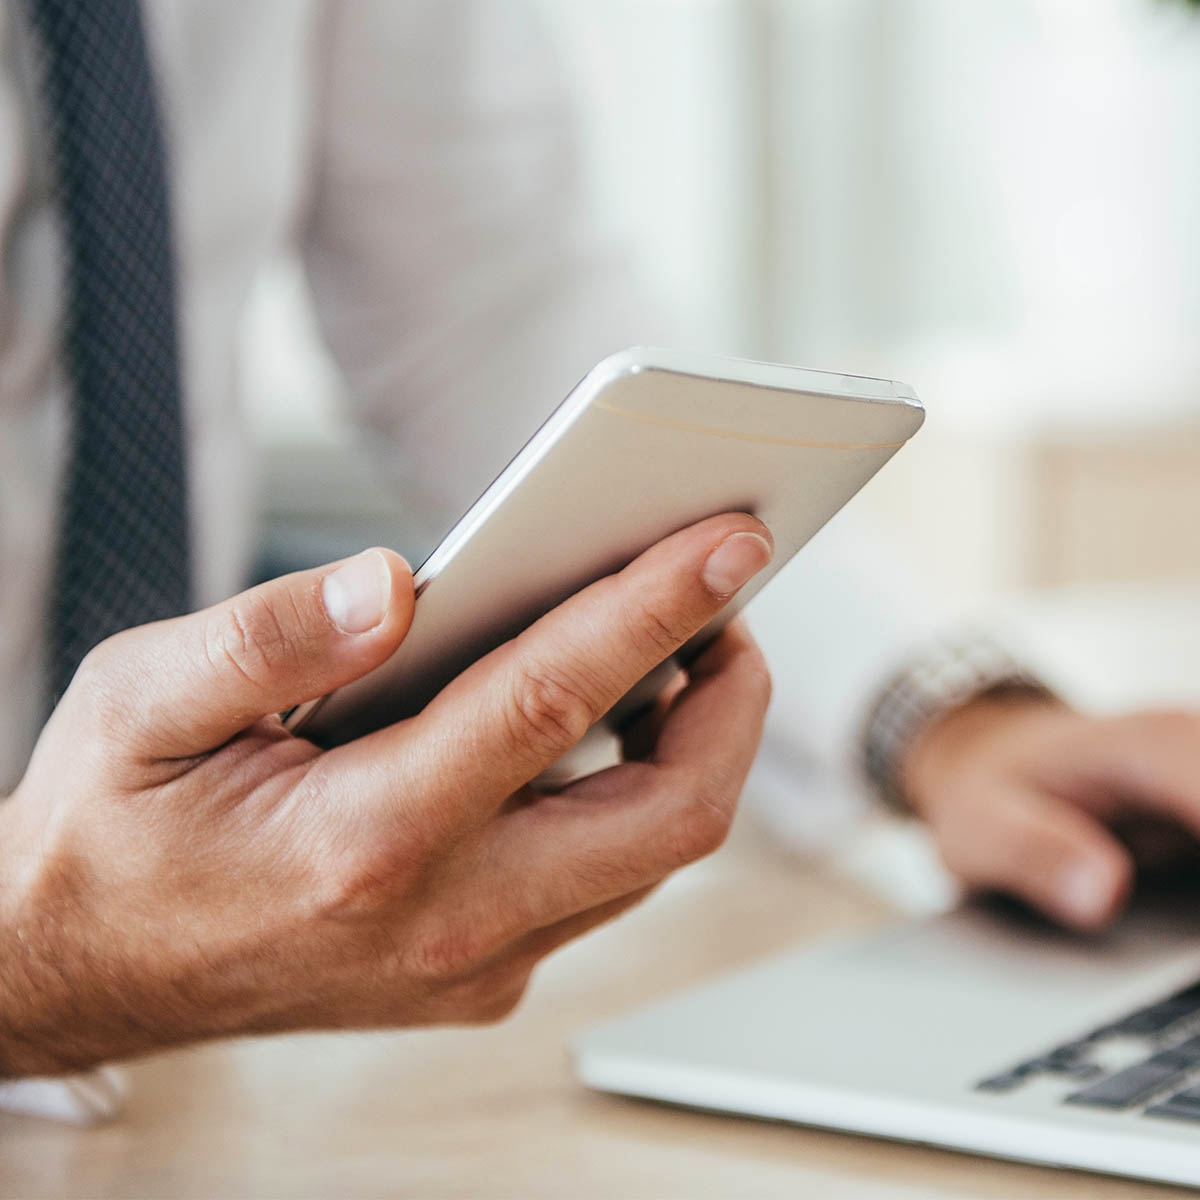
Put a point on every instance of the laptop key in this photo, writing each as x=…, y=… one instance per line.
x=1124, y=1088
x=1138, y=1083
x=1159, y=1016
x=1154, y=1019
x=1004, y=1082
x=1187, y=1051
x=1190, y=993
x=1130, y=1086
x=1183, y=1106
x=1081, y=1071
x=1070, y=1060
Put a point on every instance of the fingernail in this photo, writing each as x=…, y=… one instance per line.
x=356, y=594
x=1084, y=890
x=735, y=562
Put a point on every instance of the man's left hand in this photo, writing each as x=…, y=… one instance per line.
x=1030, y=797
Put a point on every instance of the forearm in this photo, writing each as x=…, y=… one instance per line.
x=35, y=1026
x=34, y=1031
x=21, y=1045
x=85, y=981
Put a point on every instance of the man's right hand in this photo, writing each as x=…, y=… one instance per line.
x=175, y=865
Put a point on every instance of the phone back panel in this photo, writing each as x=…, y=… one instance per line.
x=649, y=442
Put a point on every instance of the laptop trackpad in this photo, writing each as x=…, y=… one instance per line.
x=1001, y=939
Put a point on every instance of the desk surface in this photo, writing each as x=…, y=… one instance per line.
x=495, y=1112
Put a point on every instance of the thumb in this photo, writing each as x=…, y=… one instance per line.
x=1040, y=848
x=185, y=686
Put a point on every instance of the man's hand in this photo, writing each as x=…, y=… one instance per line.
x=1032, y=798
x=175, y=865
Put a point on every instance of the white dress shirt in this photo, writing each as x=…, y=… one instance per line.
x=420, y=156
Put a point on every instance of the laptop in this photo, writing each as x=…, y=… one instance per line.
x=984, y=1029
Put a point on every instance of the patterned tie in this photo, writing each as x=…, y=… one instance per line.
x=123, y=549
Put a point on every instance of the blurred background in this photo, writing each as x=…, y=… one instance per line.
x=997, y=201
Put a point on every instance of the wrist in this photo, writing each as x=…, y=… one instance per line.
x=44, y=1008
x=19, y=1055
x=943, y=679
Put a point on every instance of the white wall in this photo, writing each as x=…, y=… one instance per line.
x=672, y=118
x=999, y=185
x=998, y=200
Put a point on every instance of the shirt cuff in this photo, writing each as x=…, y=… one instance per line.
x=91, y=1098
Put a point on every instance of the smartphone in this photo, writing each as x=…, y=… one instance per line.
x=649, y=442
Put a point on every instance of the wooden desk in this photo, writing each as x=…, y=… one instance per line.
x=495, y=1112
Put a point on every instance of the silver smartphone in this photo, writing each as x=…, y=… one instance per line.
x=648, y=443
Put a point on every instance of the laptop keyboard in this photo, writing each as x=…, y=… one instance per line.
x=1164, y=1082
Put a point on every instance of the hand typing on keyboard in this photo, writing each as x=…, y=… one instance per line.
x=1027, y=796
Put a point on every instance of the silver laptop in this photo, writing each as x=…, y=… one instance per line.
x=984, y=1030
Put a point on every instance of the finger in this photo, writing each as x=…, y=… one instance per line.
x=1149, y=758
x=627, y=828
x=519, y=709
x=683, y=736
x=187, y=685
x=536, y=945
x=640, y=736
x=1040, y=848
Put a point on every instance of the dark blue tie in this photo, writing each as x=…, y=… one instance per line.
x=123, y=549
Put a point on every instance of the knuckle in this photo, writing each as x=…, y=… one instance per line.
x=353, y=881
x=1002, y=849
x=248, y=637
x=707, y=816
x=551, y=709
x=595, y=873
x=354, y=885
x=448, y=953
x=354, y=889
x=492, y=997
x=961, y=865
x=100, y=690
x=959, y=848
x=760, y=676
x=92, y=676
x=707, y=827
x=662, y=632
